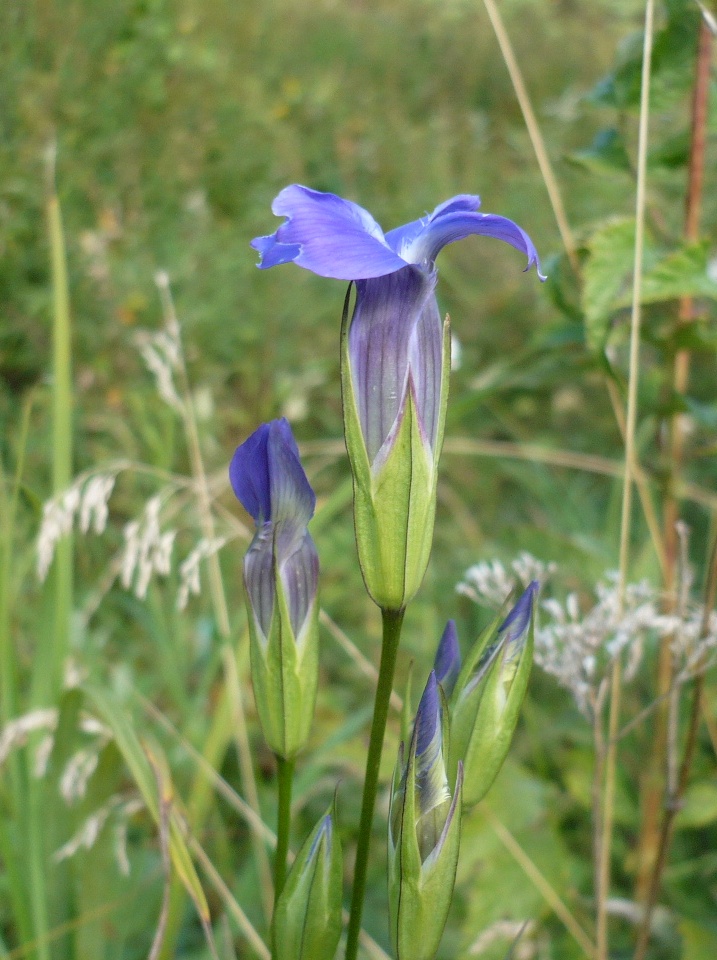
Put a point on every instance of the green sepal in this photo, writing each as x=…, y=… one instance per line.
x=284, y=671
x=419, y=893
x=307, y=918
x=394, y=506
x=495, y=705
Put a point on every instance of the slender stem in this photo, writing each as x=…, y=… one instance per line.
x=536, y=137
x=631, y=418
x=541, y=883
x=654, y=784
x=392, y=622
x=219, y=601
x=284, y=778
x=674, y=801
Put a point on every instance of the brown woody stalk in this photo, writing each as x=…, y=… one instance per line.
x=674, y=799
x=654, y=785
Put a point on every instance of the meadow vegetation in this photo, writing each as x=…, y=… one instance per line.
x=141, y=145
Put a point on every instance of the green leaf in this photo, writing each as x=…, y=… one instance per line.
x=683, y=273
x=607, y=277
x=700, y=805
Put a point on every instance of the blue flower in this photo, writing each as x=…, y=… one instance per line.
x=281, y=571
x=269, y=481
x=395, y=361
x=336, y=238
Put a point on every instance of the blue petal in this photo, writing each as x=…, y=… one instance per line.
x=330, y=236
x=249, y=475
x=457, y=224
x=428, y=716
x=292, y=499
x=268, y=479
x=300, y=578
x=515, y=625
x=447, y=664
x=400, y=239
x=259, y=577
x=395, y=330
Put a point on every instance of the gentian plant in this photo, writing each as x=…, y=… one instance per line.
x=281, y=572
x=395, y=362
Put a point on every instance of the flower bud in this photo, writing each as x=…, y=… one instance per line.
x=281, y=571
x=423, y=836
x=395, y=362
x=307, y=918
x=487, y=701
x=447, y=664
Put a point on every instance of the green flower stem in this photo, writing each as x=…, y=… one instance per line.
x=284, y=776
x=392, y=622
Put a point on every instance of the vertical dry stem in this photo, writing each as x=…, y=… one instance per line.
x=536, y=137
x=630, y=422
x=654, y=786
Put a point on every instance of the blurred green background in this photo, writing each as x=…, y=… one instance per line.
x=176, y=122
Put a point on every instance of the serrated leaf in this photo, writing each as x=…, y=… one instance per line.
x=683, y=273
x=607, y=275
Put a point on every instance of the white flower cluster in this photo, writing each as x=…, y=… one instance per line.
x=489, y=583
x=16, y=732
x=161, y=353
x=87, y=499
x=578, y=649
x=92, y=827
x=189, y=584
x=147, y=550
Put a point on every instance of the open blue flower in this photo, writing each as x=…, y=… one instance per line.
x=336, y=238
x=395, y=361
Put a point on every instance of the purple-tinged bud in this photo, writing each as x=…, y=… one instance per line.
x=423, y=835
x=447, y=664
x=394, y=371
x=489, y=695
x=281, y=571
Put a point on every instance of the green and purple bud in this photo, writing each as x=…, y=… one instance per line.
x=488, y=696
x=395, y=362
x=281, y=571
x=447, y=664
x=307, y=918
x=423, y=834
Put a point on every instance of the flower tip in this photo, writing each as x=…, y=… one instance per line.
x=516, y=623
x=448, y=657
x=427, y=715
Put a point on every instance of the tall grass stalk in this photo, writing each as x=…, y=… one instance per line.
x=605, y=840
x=9, y=687
x=566, y=234
x=216, y=586
x=534, y=132
x=61, y=428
